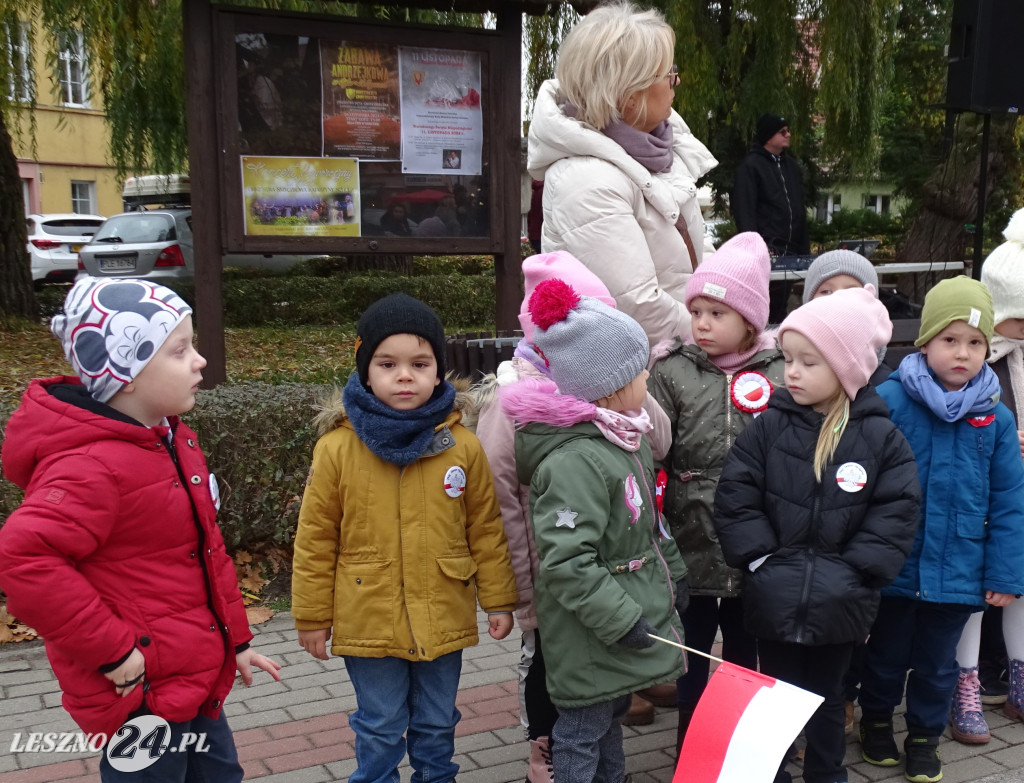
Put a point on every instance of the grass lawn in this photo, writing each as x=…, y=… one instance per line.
x=314, y=354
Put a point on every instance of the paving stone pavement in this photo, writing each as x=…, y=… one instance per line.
x=297, y=731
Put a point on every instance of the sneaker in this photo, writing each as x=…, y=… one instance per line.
x=877, y=745
x=923, y=762
x=994, y=689
x=966, y=717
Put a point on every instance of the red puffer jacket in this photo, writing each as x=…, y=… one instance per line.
x=116, y=545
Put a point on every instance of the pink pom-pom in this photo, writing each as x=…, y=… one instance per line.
x=551, y=302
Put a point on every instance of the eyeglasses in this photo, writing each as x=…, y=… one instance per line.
x=786, y=132
x=673, y=75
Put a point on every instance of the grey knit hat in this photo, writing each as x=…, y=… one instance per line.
x=592, y=350
x=839, y=262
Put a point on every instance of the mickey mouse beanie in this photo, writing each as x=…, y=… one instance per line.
x=847, y=327
x=592, y=350
x=737, y=275
x=110, y=329
x=1003, y=272
x=397, y=314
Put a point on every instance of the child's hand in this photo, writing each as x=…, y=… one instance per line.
x=315, y=642
x=501, y=625
x=129, y=675
x=245, y=660
x=999, y=599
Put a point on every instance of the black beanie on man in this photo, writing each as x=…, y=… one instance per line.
x=397, y=314
x=768, y=125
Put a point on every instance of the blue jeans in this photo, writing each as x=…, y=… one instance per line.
x=921, y=638
x=396, y=697
x=217, y=765
x=586, y=743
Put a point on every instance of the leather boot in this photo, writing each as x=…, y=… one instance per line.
x=540, y=770
x=662, y=695
x=641, y=713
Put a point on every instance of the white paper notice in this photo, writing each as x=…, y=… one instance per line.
x=442, y=120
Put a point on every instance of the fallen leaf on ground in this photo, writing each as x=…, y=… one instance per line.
x=258, y=614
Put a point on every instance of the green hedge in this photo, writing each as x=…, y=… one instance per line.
x=258, y=440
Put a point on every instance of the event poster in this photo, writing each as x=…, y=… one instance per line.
x=360, y=103
x=300, y=197
x=442, y=121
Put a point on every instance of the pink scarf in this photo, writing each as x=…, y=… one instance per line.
x=625, y=429
x=729, y=363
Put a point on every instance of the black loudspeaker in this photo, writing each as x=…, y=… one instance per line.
x=986, y=67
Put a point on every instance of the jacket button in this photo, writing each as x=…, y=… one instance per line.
x=191, y=443
x=412, y=652
x=216, y=704
x=359, y=581
x=209, y=551
x=144, y=641
x=196, y=480
x=192, y=555
x=213, y=627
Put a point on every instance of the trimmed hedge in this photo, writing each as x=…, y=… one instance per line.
x=258, y=439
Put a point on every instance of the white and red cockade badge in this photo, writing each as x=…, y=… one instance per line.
x=454, y=481
x=981, y=421
x=750, y=391
x=851, y=477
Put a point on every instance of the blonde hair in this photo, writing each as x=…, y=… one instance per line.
x=837, y=416
x=617, y=50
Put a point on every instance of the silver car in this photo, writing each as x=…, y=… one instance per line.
x=53, y=244
x=154, y=244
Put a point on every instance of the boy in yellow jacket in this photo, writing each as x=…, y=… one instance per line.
x=399, y=536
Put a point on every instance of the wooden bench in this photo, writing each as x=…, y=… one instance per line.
x=904, y=332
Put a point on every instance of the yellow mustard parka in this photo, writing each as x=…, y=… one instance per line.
x=395, y=559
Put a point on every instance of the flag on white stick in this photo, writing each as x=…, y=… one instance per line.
x=743, y=725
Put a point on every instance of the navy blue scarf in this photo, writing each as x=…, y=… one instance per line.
x=398, y=437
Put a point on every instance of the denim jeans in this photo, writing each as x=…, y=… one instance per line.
x=217, y=765
x=586, y=743
x=919, y=637
x=396, y=697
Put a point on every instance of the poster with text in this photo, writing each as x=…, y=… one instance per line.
x=360, y=108
x=442, y=120
x=300, y=197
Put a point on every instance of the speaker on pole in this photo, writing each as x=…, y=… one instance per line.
x=986, y=68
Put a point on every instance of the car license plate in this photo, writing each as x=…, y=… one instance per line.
x=117, y=264
x=75, y=248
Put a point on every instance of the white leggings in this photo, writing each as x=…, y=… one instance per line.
x=1013, y=635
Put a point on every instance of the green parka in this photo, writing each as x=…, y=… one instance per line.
x=695, y=395
x=605, y=561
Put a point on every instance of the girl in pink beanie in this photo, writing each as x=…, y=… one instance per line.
x=818, y=504
x=711, y=387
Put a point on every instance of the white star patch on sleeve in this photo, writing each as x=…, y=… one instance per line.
x=566, y=517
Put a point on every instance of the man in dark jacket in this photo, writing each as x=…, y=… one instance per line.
x=768, y=196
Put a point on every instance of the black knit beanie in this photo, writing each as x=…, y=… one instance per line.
x=397, y=314
x=768, y=125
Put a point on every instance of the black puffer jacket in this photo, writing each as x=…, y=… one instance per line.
x=768, y=198
x=830, y=549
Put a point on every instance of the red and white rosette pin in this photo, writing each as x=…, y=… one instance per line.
x=750, y=391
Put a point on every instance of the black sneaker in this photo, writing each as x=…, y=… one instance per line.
x=993, y=689
x=923, y=762
x=877, y=745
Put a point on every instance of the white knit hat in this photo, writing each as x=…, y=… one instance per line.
x=1003, y=272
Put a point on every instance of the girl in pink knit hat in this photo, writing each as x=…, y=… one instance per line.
x=712, y=386
x=818, y=505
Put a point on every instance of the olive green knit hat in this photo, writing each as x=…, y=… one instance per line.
x=957, y=299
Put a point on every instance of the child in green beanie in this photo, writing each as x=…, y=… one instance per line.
x=969, y=551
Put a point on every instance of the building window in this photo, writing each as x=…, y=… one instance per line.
x=828, y=204
x=83, y=198
x=74, y=77
x=879, y=203
x=20, y=85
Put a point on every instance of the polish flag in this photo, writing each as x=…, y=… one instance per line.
x=742, y=727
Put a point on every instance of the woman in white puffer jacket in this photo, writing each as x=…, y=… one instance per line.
x=620, y=166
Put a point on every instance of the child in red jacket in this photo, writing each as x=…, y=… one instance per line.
x=115, y=556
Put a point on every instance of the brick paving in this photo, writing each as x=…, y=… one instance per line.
x=297, y=731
